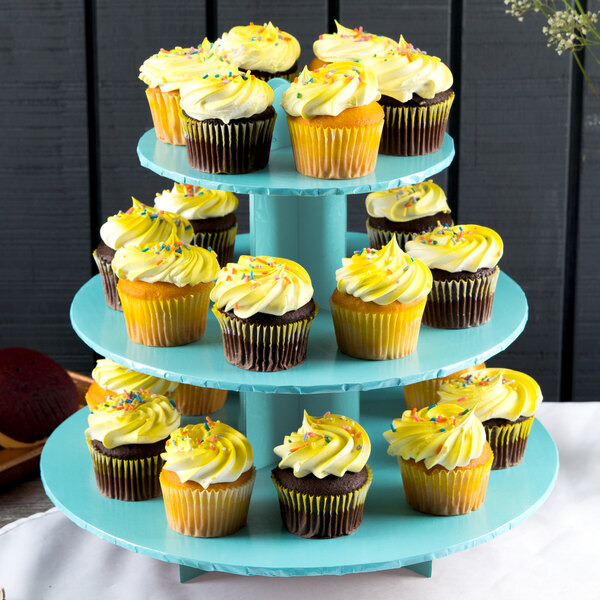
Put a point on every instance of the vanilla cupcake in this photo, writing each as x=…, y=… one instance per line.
x=406, y=211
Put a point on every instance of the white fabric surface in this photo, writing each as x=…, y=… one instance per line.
x=550, y=555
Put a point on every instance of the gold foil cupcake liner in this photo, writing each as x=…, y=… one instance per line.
x=443, y=492
x=192, y=400
x=508, y=442
x=208, y=512
x=377, y=336
x=109, y=283
x=222, y=242
x=164, y=108
x=378, y=238
x=330, y=153
x=313, y=516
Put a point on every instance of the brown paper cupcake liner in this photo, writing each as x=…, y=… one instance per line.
x=461, y=303
x=109, y=283
x=378, y=238
x=508, y=442
x=312, y=516
x=192, y=400
x=414, y=130
x=264, y=348
x=164, y=107
x=222, y=242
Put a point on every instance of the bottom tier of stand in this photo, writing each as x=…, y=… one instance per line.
x=392, y=535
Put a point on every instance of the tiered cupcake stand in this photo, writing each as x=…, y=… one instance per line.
x=303, y=219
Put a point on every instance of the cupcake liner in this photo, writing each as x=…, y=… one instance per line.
x=264, y=348
x=508, y=442
x=461, y=303
x=169, y=322
x=130, y=480
x=378, y=238
x=212, y=512
x=222, y=242
x=240, y=146
x=376, y=335
x=414, y=130
x=193, y=400
x=109, y=283
x=164, y=107
x=438, y=491
x=331, y=153
x=313, y=516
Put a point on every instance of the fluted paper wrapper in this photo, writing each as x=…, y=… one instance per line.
x=170, y=322
x=164, y=108
x=328, y=153
x=422, y=394
x=508, y=442
x=414, y=130
x=222, y=242
x=192, y=400
x=312, y=516
x=439, y=491
x=207, y=512
x=461, y=303
x=378, y=238
x=130, y=480
x=109, y=283
x=264, y=348
x=377, y=336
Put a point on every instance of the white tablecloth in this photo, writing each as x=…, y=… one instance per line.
x=550, y=555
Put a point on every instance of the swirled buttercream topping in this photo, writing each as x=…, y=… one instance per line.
x=350, y=44
x=494, y=393
x=408, y=202
x=446, y=435
x=227, y=96
x=142, y=224
x=208, y=453
x=135, y=417
x=193, y=202
x=168, y=262
x=261, y=284
x=327, y=445
x=384, y=276
x=458, y=248
x=330, y=90
x=261, y=47
x=117, y=378
x=168, y=69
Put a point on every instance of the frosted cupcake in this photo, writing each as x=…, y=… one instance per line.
x=406, y=211
x=323, y=478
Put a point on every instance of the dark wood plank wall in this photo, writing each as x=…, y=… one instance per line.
x=517, y=128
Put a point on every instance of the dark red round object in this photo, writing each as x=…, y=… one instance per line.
x=36, y=394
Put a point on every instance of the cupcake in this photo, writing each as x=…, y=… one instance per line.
x=405, y=211
x=126, y=436
x=265, y=309
x=505, y=401
x=264, y=50
x=164, y=289
x=378, y=303
x=207, y=479
x=140, y=224
x=111, y=378
x=334, y=120
x=165, y=71
x=194, y=400
x=210, y=213
x=228, y=122
x=416, y=95
x=444, y=459
x=323, y=478
x=464, y=263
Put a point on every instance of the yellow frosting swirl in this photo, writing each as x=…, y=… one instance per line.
x=142, y=224
x=208, y=453
x=168, y=69
x=446, y=435
x=132, y=418
x=261, y=284
x=327, y=445
x=169, y=262
x=116, y=378
x=384, y=276
x=458, y=248
x=494, y=393
x=228, y=96
x=408, y=202
x=350, y=44
x=330, y=90
x=261, y=47
x=193, y=202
